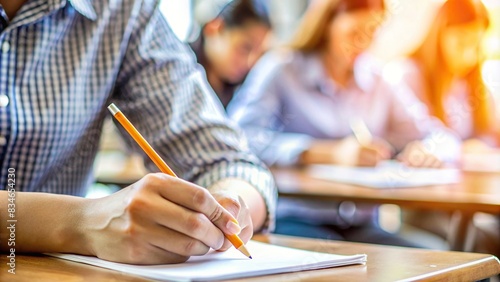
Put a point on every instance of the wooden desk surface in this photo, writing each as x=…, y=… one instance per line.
x=477, y=192
x=384, y=264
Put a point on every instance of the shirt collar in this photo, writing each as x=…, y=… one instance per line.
x=366, y=73
x=316, y=75
x=314, y=66
x=84, y=7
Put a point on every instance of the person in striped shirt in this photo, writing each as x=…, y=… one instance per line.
x=62, y=62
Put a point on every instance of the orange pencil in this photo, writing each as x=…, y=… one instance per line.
x=162, y=165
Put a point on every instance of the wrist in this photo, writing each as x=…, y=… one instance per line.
x=74, y=233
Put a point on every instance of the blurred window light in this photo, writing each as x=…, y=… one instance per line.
x=491, y=3
x=491, y=77
x=491, y=49
x=491, y=46
x=491, y=43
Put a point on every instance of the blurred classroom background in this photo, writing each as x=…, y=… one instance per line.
x=403, y=29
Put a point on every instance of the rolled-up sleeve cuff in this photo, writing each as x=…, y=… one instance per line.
x=257, y=176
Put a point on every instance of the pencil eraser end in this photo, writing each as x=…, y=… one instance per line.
x=113, y=109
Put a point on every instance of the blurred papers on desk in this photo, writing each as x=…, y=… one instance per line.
x=267, y=259
x=388, y=174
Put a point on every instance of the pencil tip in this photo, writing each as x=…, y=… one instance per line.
x=250, y=257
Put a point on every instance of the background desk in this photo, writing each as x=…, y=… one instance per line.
x=477, y=192
x=384, y=264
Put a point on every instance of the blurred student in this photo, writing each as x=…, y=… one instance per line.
x=297, y=104
x=230, y=44
x=445, y=71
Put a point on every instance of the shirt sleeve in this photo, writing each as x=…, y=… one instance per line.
x=259, y=109
x=165, y=95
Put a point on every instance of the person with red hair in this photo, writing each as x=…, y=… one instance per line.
x=445, y=71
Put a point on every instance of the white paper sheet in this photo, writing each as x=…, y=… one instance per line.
x=389, y=174
x=267, y=259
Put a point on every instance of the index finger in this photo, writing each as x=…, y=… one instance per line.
x=198, y=199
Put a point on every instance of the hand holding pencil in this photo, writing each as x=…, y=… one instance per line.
x=370, y=150
x=198, y=213
x=359, y=149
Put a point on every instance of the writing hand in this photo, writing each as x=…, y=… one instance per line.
x=159, y=219
x=416, y=155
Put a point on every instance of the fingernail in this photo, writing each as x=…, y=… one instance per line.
x=235, y=221
x=233, y=228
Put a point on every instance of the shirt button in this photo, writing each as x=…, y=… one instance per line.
x=4, y=101
x=5, y=47
x=3, y=141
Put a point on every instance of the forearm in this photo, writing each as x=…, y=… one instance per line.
x=318, y=152
x=45, y=223
x=328, y=152
x=250, y=195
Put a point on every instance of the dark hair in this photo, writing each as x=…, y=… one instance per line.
x=237, y=13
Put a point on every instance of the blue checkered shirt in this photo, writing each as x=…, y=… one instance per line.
x=62, y=62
